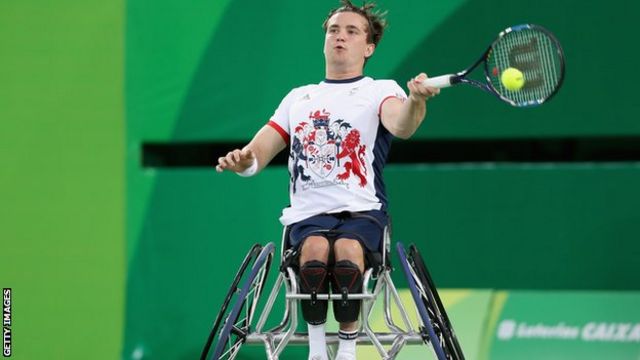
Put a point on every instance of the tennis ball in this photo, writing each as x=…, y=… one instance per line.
x=512, y=79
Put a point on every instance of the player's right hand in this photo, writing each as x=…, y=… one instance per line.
x=236, y=160
x=419, y=92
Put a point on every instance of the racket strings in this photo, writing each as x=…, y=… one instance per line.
x=536, y=55
x=552, y=65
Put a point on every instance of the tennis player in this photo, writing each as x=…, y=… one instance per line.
x=338, y=133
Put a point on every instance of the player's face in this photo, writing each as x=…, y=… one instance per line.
x=345, y=43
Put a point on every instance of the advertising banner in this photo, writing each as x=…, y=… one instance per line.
x=564, y=325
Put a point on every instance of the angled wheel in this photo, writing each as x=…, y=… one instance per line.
x=436, y=327
x=241, y=275
x=444, y=328
x=237, y=324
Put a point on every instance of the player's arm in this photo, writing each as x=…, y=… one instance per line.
x=402, y=119
x=264, y=146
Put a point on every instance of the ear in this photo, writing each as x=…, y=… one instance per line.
x=369, y=50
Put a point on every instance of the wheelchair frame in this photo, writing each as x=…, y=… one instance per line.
x=434, y=323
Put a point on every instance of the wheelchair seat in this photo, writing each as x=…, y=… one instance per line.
x=378, y=261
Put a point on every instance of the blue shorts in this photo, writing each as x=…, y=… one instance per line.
x=366, y=226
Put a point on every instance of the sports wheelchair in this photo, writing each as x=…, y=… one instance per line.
x=235, y=323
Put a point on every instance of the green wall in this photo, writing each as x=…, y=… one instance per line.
x=215, y=71
x=62, y=176
x=522, y=226
x=186, y=64
x=478, y=226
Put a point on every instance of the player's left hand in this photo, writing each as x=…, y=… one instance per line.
x=419, y=92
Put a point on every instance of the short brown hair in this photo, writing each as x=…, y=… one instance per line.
x=376, y=20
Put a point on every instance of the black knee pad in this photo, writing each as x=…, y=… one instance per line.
x=314, y=280
x=347, y=279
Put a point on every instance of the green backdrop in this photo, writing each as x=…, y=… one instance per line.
x=62, y=176
x=108, y=259
x=215, y=71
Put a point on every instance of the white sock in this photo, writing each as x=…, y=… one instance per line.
x=347, y=347
x=317, y=342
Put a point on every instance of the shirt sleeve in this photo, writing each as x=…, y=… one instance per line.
x=280, y=118
x=388, y=89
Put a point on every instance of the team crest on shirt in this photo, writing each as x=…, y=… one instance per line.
x=326, y=152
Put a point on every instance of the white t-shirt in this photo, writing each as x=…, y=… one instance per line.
x=337, y=146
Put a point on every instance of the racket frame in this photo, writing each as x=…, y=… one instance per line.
x=461, y=77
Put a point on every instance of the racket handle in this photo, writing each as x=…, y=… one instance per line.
x=439, y=82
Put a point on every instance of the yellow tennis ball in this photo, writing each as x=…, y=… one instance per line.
x=512, y=79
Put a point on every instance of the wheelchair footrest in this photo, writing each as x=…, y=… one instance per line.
x=332, y=338
x=314, y=297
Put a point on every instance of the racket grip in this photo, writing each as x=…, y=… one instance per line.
x=439, y=82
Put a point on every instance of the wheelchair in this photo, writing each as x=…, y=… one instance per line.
x=236, y=322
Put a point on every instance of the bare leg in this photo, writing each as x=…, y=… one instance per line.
x=314, y=248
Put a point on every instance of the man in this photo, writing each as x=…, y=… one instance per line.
x=339, y=132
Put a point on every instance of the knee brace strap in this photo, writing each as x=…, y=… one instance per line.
x=314, y=281
x=347, y=279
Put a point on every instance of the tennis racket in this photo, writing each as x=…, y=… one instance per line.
x=531, y=49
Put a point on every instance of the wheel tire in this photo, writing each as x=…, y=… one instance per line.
x=249, y=259
x=237, y=324
x=436, y=330
x=451, y=344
